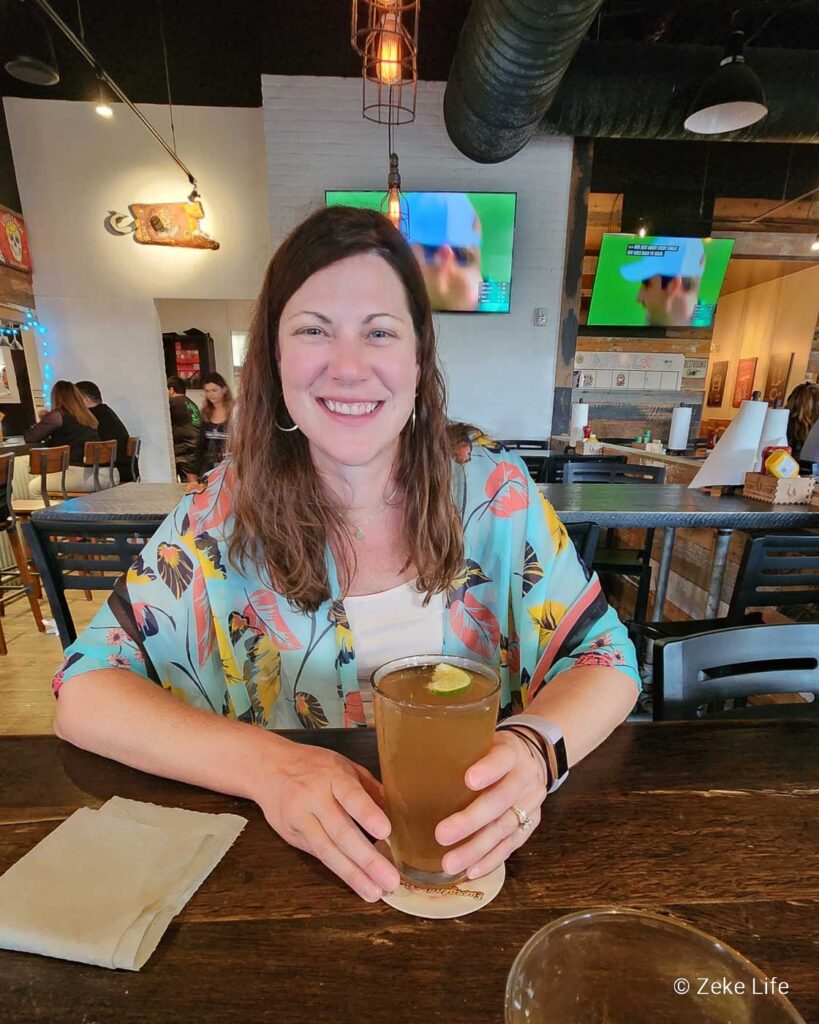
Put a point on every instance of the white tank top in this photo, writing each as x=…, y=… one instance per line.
x=392, y=624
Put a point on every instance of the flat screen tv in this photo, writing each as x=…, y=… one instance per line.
x=658, y=281
x=463, y=243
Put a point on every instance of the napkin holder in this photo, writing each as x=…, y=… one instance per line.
x=796, y=490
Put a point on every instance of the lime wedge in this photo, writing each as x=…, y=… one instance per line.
x=449, y=679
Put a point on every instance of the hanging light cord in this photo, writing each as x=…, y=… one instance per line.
x=79, y=45
x=167, y=72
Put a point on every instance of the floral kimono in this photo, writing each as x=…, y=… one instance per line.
x=223, y=639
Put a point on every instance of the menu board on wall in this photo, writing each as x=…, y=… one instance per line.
x=716, y=389
x=629, y=371
x=743, y=389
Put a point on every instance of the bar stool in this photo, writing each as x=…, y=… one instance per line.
x=99, y=455
x=19, y=568
x=132, y=450
x=42, y=462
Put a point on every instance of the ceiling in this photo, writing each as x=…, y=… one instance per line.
x=216, y=58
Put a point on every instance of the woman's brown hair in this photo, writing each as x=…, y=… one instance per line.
x=803, y=403
x=208, y=406
x=65, y=396
x=283, y=513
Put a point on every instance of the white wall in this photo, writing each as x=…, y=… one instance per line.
x=774, y=317
x=96, y=292
x=500, y=368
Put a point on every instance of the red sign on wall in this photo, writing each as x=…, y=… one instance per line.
x=13, y=241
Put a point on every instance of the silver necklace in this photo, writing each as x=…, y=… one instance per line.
x=358, y=532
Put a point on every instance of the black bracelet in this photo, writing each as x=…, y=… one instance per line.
x=535, y=744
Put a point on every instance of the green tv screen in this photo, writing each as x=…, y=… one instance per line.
x=658, y=281
x=462, y=241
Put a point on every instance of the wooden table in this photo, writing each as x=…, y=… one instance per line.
x=667, y=507
x=715, y=822
x=673, y=506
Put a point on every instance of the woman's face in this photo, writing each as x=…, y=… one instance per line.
x=347, y=357
x=214, y=394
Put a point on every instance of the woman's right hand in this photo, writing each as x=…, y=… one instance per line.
x=322, y=803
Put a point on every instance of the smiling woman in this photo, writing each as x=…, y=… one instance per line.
x=351, y=526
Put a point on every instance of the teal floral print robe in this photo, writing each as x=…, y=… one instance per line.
x=225, y=640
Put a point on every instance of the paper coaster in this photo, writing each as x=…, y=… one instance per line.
x=455, y=901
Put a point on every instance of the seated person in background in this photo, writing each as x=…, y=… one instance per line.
x=185, y=421
x=352, y=524
x=110, y=426
x=68, y=421
x=213, y=430
x=670, y=281
x=803, y=403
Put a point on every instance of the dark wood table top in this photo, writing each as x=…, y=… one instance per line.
x=659, y=505
x=635, y=505
x=139, y=502
x=715, y=822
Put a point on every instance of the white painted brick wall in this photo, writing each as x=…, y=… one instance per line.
x=500, y=368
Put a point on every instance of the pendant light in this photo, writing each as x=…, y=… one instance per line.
x=731, y=98
x=28, y=41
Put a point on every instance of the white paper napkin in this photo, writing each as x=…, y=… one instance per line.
x=103, y=886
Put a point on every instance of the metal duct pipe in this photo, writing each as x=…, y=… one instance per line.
x=644, y=91
x=510, y=58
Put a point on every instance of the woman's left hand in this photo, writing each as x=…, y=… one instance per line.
x=511, y=773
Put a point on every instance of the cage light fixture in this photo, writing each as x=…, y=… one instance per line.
x=385, y=35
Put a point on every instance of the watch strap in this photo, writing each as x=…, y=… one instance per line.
x=555, y=743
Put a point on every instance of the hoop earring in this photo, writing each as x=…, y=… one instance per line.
x=286, y=430
x=412, y=422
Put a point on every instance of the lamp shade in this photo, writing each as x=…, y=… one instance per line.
x=29, y=46
x=729, y=99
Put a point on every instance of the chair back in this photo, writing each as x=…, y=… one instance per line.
x=559, y=460
x=45, y=461
x=101, y=455
x=602, y=473
x=694, y=676
x=100, y=551
x=132, y=450
x=585, y=537
x=777, y=570
x=535, y=454
x=7, y=520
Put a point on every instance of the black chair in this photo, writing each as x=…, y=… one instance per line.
x=556, y=466
x=701, y=676
x=778, y=570
x=585, y=537
x=132, y=450
x=535, y=454
x=610, y=560
x=93, y=561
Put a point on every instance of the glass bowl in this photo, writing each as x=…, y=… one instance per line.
x=635, y=967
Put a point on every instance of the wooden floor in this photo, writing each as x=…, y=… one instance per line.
x=26, y=702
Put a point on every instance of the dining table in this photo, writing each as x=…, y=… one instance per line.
x=715, y=823
x=630, y=505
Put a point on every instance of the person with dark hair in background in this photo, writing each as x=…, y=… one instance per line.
x=185, y=421
x=110, y=426
x=213, y=430
x=803, y=403
x=70, y=422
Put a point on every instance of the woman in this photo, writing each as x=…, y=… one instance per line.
x=69, y=422
x=345, y=482
x=803, y=403
x=213, y=428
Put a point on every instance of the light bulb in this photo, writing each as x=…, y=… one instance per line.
x=394, y=206
x=815, y=244
x=104, y=110
x=388, y=65
x=642, y=231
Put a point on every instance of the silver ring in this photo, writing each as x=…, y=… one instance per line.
x=524, y=821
